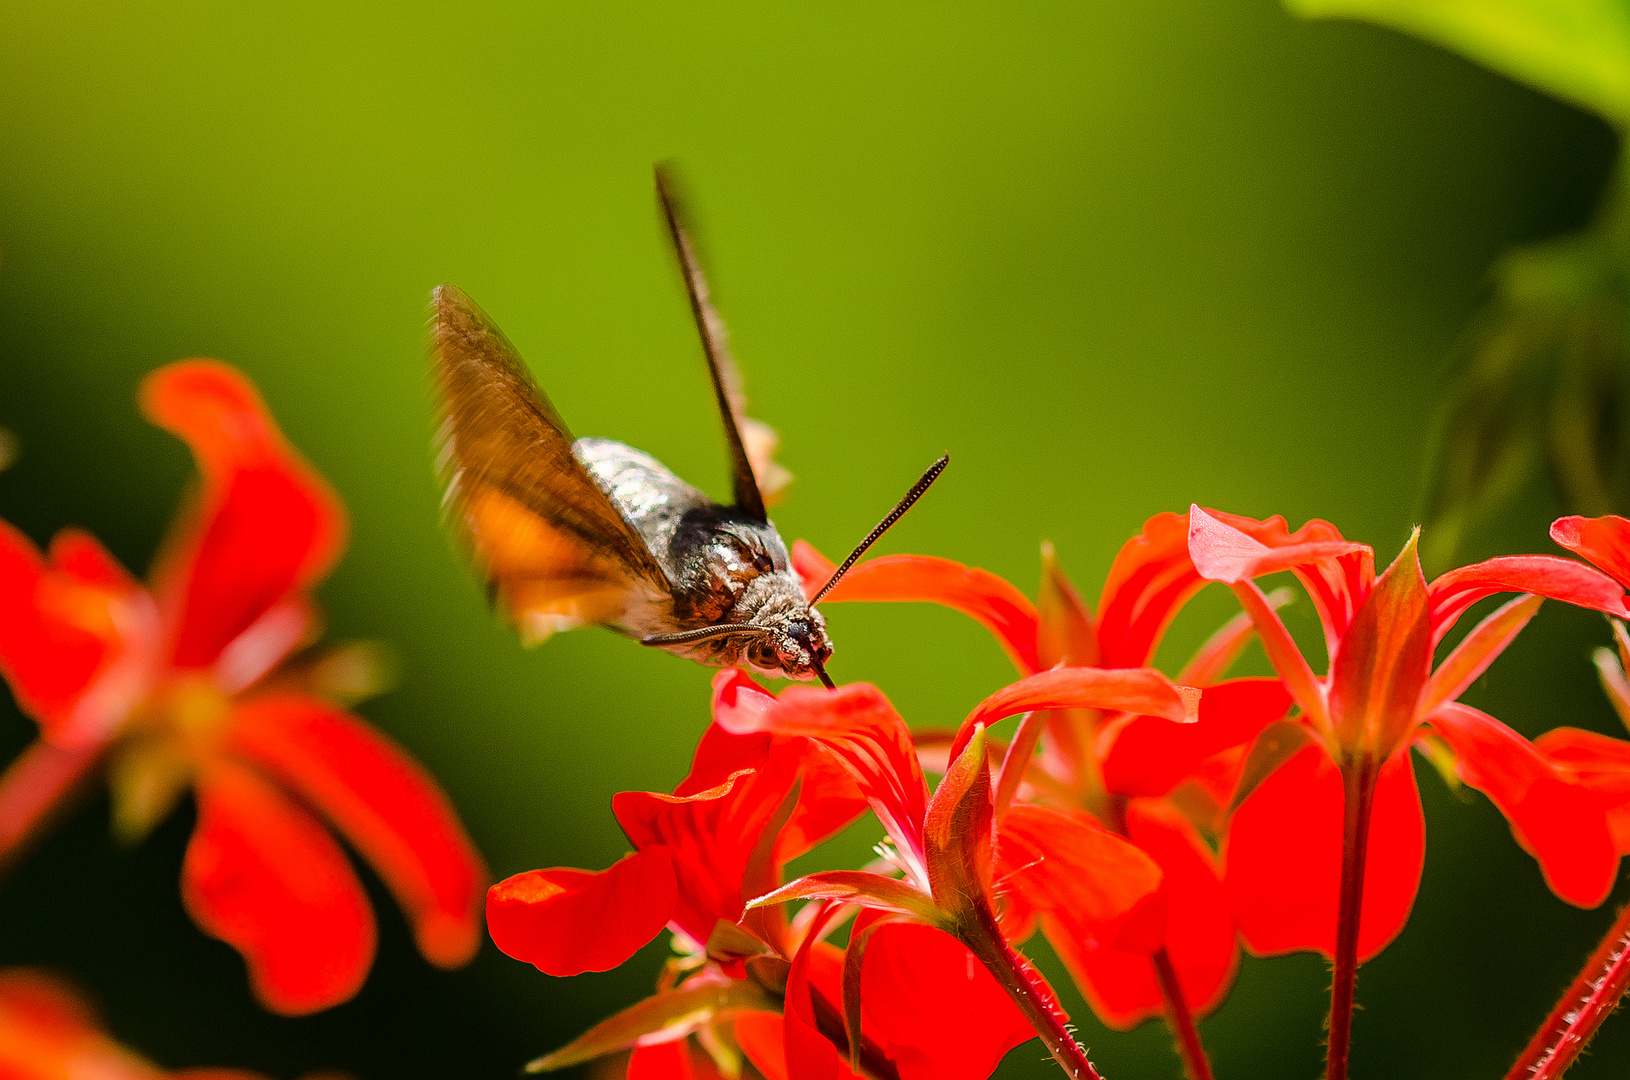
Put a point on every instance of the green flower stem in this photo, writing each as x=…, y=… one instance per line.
x=1181, y=1021
x=1015, y=975
x=1582, y=1008
x=1358, y=786
x=35, y=786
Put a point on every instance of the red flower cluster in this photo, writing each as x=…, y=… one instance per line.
x=194, y=682
x=1380, y=696
x=1145, y=825
x=749, y=981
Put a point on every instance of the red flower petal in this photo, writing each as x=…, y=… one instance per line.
x=978, y=594
x=860, y=729
x=1336, y=573
x=566, y=921
x=1135, y=690
x=1600, y=764
x=1199, y=927
x=672, y=1060
x=828, y=800
x=1283, y=857
x=762, y=1040
x=808, y=1053
x=1101, y=887
x=1605, y=541
x=1151, y=578
x=264, y=877
x=266, y=524
x=663, y=1061
x=67, y=624
x=1151, y=755
x=713, y=836
x=762, y=1037
x=1122, y=986
x=1543, y=575
x=34, y=1005
x=939, y=1014
x=384, y=803
x=1559, y=822
x=47, y=1033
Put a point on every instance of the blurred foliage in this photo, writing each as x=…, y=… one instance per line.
x=1540, y=377
x=1578, y=50
x=1539, y=374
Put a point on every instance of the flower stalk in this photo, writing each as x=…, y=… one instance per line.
x=1594, y=993
x=1181, y=1020
x=1015, y=975
x=1358, y=780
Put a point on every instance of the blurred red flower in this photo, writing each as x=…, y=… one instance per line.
x=48, y=1033
x=1381, y=695
x=190, y=683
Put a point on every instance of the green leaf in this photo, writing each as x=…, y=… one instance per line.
x=1578, y=50
x=677, y=1008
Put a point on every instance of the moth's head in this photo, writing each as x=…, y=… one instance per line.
x=796, y=646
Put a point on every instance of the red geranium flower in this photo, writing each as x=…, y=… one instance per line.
x=1599, y=763
x=955, y=852
x=1120, y=769
x=1380, y=696
x=184, y=684
x=755, y=799
x=48, y=1033
x=749, y=804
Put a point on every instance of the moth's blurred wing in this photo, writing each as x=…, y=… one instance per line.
x=757, y=478
x=554, y=550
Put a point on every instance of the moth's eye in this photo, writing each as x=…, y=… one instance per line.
x=762, y=562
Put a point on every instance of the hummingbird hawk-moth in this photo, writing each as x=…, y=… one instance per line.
x=590, y=531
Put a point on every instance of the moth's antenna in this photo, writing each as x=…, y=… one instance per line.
x=896, y=514
x=685, y=637
x=826, y=680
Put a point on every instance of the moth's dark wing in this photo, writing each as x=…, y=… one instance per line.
x=545, y=534
x=721, y=364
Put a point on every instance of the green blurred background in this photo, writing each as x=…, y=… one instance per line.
x=1113, y=257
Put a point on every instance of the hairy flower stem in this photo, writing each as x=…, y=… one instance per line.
x=1181, y=1021
x=1015, y=975
x=35, y=786
x=1596, y=992
x=1358, y=787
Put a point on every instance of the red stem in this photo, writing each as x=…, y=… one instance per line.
x=1181, y=1021
x=1582, y=1008
x=35, y=786
x=1027, y=989
x=1358, y=787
